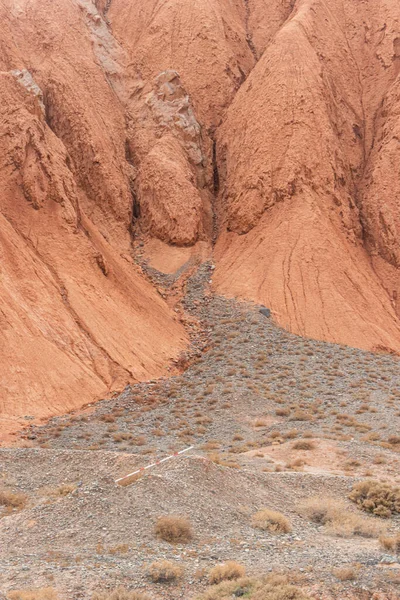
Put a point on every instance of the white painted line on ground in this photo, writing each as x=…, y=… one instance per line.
x=158, y=462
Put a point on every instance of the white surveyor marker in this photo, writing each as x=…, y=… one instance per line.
x=158, y=462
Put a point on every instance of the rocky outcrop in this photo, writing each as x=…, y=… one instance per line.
x=170, y=153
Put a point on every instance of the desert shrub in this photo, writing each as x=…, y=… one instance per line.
x=394, y=440
x=62, y=490
x=319, y=510
x=39, y=594
x=282, y=412
x=218, y=459
x=283, y=591
x=108, y=418
x=164, y=571
x=12, y=500
x=345, y=573
x=351, y=464
x=391, y=543
x=120, y=593
x=272, y=587
x=290, y=435
x=303, y=445
x=272, y=521
x=228, y=571
x=296, y=465
x=118, y=549
x=301, y=415
x=174, y=529
x=380, y=499
x=338, y=520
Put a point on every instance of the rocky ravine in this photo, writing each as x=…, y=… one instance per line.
x=263, y=131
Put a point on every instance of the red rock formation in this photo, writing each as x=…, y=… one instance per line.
x=304, y=148
x=166, y=145
x=268, y=126
x=77, y=317
x=204, y=41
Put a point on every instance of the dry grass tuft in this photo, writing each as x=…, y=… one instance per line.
x=120, y=593
x=272, y=587
x=39, y=594
x=228, y=571
x=338, y=520
x=12, y=500
x=282, y=412
x=394, y=440
x=62, y=490
x=301, y=415
x=218, y=459
x=380, y=499
x=346, y=573
x=272, y=521
x=296, y=465
x=164, y=571
x=260, y=422
x=118, y=549
x=391, y=543
x=303, y=445
x=174, y=529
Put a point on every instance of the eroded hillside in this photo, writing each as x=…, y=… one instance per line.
x=262, y=133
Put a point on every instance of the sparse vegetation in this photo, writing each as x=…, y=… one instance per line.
x=303, y=445
x=346, y=573
x=120, y=593
x=380, y=499
x=12, y=500
x=164, y=571
x=226, y=572
x=272, y=587
x=47, y=593
x=174, y=529
x=272, y=521
x=391, y=543
x=338, y=519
